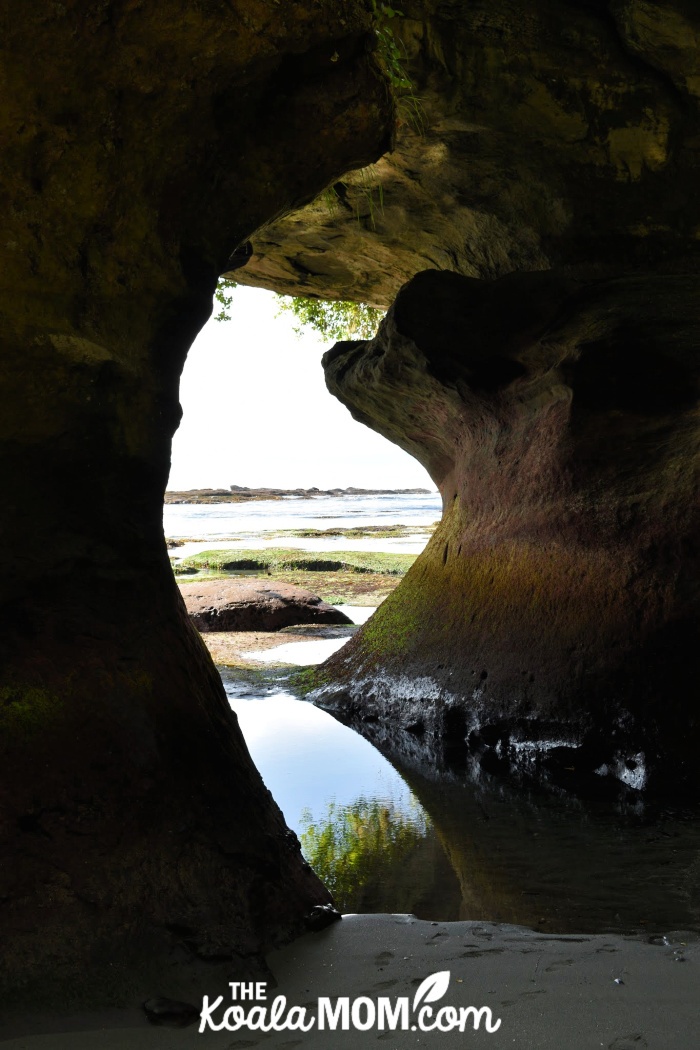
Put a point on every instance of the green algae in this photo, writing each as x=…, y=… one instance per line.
x=305, y=680
x=367, y=589
x=280, y=558
x=360, y=532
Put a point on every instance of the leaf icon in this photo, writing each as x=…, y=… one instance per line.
x=432, y=988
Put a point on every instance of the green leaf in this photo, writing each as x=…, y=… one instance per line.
x=333, y=318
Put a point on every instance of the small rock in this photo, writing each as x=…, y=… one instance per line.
x=322, y=915
x=170, y=1012
x=251, y=604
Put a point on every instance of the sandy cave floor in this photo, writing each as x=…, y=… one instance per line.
x=549, y=992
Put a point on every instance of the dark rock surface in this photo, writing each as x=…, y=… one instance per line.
x=553, y=618
x=550, y=133
x=142, y=144
x=250, y=604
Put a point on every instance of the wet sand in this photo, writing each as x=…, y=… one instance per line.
x=549, y=992
x=245, y=648
x=233, y=648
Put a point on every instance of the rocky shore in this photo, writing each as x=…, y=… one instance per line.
x=240, y=494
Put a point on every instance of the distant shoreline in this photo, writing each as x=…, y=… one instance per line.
x=240, y=494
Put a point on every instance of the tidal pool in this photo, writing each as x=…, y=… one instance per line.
x=391, y=838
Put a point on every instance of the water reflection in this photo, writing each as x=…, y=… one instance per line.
x=390, y=836
x=352, y=846
x=560, y=864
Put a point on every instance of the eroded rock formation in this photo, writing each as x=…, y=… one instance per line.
x=558, y=136
x=141, y=145
x=555, y=133
x=553, y=617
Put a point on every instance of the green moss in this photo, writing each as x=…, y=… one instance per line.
x=392, y=629
x=26, y=710
x=306, y=679
x=362, y=532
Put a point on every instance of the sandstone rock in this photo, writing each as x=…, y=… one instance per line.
x=552, y=620
x=249, y=604
x=145, y=143
x=547, y=134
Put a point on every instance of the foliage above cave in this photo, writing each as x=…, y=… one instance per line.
x=333, y=318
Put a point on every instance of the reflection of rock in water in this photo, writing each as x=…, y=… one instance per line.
x=553, y=862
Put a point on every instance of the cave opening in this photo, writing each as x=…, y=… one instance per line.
x=546, y=204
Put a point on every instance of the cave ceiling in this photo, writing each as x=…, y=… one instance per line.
x=558, y=134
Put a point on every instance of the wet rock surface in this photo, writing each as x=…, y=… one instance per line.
x=549, y=624
x=251, y=604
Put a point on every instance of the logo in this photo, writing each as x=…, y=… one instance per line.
x=343, y=1014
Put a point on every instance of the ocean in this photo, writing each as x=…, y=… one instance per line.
x=218, y=525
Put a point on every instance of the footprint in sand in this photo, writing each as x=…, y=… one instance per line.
x=636, y=1041
x=558, y=964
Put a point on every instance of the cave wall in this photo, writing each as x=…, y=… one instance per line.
x=139, y=848
x=550, y=626
x=142, y=146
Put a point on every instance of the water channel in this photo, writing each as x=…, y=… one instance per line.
x=387, y=838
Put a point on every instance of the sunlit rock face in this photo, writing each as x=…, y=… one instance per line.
x=536, y=135
x=140, y=852
x=551, y=623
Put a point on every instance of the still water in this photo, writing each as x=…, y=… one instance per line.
x=387, y=838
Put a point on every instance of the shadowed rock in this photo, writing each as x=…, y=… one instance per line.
x=140, y=851
x=254, y=605
x=552, y=620
x=535, y=134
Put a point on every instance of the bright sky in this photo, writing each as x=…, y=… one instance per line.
x=257, y=412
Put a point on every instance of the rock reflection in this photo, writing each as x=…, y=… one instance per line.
x=389, y=831
x=561, y=864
